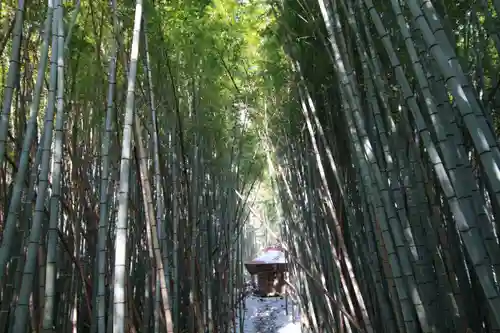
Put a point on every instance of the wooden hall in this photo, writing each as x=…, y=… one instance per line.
x=270, y=270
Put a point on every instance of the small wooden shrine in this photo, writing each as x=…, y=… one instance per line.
x=269, y=269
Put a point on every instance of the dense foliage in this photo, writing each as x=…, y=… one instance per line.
x=130, y=154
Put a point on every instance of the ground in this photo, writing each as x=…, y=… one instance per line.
x=269, y=315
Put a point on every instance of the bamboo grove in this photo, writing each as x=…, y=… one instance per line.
x=134, y=137
x=127, y=163
x=387, y=168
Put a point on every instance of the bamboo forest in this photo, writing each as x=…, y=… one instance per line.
x=149, y=149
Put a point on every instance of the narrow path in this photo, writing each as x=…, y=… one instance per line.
x=270, y=315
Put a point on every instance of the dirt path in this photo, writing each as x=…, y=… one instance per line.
x=269, y=315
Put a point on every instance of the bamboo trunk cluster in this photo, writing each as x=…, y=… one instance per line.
x=388, y=167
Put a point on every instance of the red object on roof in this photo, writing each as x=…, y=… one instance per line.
x=271, y=258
